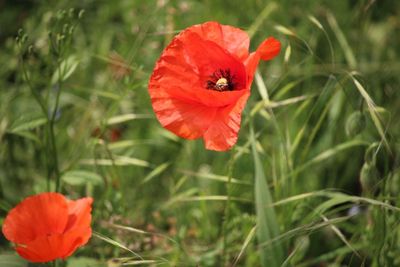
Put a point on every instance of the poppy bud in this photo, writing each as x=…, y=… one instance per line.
x=355, y=124
x=369, y=177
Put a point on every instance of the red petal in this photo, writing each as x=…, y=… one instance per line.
x=199, y=96
x=230, y=38
x=185, y=119
x=79, y=213
x=75, y=239
x=178, y=84
x=222, y=134
x=183, y=70
x=206, y=57
x=269, y=49
x=251, y=66
x=38, y=215
x=54, y=246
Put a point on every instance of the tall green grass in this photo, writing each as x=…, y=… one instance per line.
x=288, y=194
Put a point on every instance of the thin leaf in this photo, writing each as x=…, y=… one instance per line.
x=127, y=117
x=327, y=154
x=9, y=260
x=214, y=177
x=66, y=69
x=348, y=52
x=139, y=262
x=341, y=236
x=28, y=135
x=267, y=225
x=115, y=243
x=247, y=241
x=214, y=198
x=27, y=123
x=84, y=262
x=78, y=177
x=288, y=52
x=303, y=230
x=282, y=29
x=157, y=171
x=331, y=255
x=315, y=21
x=268, y=9
x=118, y=161
x=373, y=111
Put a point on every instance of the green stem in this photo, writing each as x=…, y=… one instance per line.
x=34, y=93
x=54, y=263
x=54, y=155
x=227, y=211
x=51, y=131
x=42, y=105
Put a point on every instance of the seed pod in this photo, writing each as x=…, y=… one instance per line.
x=369, y=177
x=355, y=124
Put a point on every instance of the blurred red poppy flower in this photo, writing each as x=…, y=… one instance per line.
x=48, y=226
x=202, y=81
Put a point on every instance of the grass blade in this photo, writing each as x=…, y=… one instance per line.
x=249, y=237
x=267, y=225
x=268, y=9
x=372, y=110
x=348, y=52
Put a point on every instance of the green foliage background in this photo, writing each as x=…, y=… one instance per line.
x=321, y=118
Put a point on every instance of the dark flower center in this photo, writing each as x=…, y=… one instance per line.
x=221, y=80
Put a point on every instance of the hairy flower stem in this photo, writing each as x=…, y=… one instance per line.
x=225, y=255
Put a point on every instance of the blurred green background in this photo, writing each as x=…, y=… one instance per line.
x=312, y=181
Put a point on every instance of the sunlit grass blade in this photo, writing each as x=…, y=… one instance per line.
x=316, y=22
x=323, y=97
x=27, y=123
x=115, y=243
x=327, y=154
x=215, y=198
x=117, y=161
x=342, y=237
x=249, y=237
x=306, y=229
x=127, y=117
x=157, y=171
x=142, y=232
x=335, y=198
x=214, y=177
x=286, y=31
x=348, y=52
x=140, y=262
x=372, y=111
x=268, y=9
x=342, y=251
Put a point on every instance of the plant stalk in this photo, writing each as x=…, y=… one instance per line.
x=227, y=211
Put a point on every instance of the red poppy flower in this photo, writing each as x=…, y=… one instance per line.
x=48, y=226
x=202, y=80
